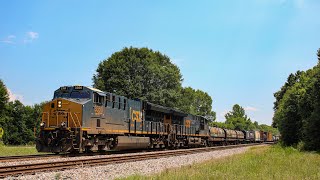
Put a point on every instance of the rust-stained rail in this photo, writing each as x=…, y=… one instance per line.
x=69, y=164
x=25, y=157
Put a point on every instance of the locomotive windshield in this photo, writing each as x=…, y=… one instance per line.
x=80, y=95
x=73, y=95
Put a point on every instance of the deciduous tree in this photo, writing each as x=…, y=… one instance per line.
x=140, y=73
x=196, y=102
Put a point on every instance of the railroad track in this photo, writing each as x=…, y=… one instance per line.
x=16, y=170
x=25, y=157
x=48, y=156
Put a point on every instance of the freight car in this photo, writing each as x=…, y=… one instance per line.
x=81, y=118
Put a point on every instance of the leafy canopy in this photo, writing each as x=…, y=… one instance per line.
x=140, y=73
x=4, y=97
x=298, y=112
x=196, y=102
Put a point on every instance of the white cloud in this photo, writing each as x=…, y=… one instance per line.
x=13, y=97
x=249, y=108
x=9, y=39
x=31, y=36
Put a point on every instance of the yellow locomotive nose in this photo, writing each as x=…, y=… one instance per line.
x=62, y=113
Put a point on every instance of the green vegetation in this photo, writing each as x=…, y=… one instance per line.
x=258, y=163
x=19, y=122
x=196, y=102
x=140, y=73
x=237, y=119
x=297, y=109
x=150, y=75
x=17, y=150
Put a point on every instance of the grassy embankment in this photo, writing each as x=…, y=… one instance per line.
x=258, y=163
x=17, y=150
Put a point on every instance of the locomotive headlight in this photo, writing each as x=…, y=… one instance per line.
x=63, y=124
x=42, y=124
x=59, y=104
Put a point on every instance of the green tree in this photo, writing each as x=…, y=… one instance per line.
x=140, y=73
x=196, y=102
x=238, y=118
x=288, y=117
x=4, y=97
x=298, y=114
x=310, y=109
x=18, y=121
x=16, y=130
x=318, y=54
x=292, y=79
x=222, y=125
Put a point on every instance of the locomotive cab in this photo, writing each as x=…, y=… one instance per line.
x=62, y=119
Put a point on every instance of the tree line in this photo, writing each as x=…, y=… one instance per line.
x=238, y=120
x=19, y=122
x=297, y=109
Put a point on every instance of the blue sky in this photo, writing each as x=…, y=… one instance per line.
x=237, y=51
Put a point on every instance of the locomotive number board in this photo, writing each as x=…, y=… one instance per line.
x=78, y=87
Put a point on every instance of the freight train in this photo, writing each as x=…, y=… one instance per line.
x=84, y=119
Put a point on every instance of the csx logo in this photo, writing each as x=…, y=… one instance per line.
x=136, y=116
x=98, y=110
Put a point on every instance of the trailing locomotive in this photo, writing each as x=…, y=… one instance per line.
x=82, y=119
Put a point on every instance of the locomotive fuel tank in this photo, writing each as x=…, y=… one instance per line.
x=131, y=142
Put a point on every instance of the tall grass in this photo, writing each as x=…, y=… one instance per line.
x=258, y=163
x=17, y=150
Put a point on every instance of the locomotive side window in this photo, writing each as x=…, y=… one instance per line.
x=97, y=98
x=124, y=104
x=108, y=100
x=119, y=107
x=113, y=101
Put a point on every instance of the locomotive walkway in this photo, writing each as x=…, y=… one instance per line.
x=16, y=170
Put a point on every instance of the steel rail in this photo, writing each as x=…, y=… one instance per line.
x=15, y=170
x=25, y=157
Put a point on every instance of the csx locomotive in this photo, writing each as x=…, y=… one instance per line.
x=82, y=119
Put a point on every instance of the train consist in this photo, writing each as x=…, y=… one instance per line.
x=82, y=119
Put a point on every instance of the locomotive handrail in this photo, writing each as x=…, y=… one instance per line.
x=48, y=121
x=72, y=119
x=77, y=118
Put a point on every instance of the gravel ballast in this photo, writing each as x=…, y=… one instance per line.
x=145, y=167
